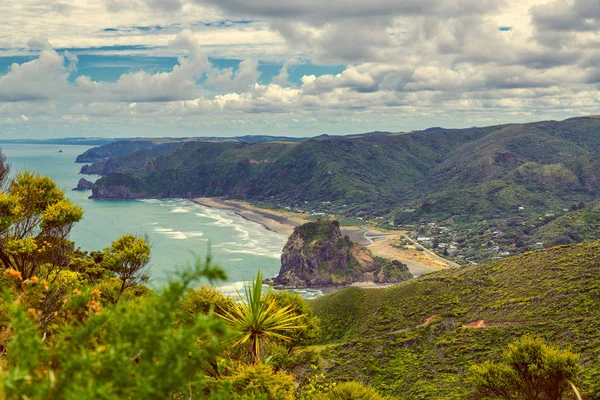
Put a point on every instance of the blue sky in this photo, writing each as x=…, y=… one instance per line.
x=298, y=68
x=101, y=67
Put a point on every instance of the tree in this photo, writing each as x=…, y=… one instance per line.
x=128, y=258
x=35, y=221
x=529, y=370
x=257, y=318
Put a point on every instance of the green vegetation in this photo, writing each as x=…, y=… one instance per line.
x=35, y=221
x=582, y=224
x=111, y=353
x=363, y=175
x=129, y=155
x=439, y=173
x=529, y=370
x=115, y=149
x=418, y=339
x=489, y=176
x=77, y=325
x=256, y=320
x=127, y=258
x=353, y=391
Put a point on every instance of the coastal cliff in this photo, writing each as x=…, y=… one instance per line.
x=84, y=184
x=318, y=255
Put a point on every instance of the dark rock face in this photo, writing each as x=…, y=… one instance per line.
x=104, y=167
x=318, y=255
x=86, y=170
x=84, y=184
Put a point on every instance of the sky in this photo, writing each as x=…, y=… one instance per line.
x=155, y=68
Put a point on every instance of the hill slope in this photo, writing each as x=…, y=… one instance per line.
x=494, y=187
x=372, y=171
x=416, y=339
x=474, y=172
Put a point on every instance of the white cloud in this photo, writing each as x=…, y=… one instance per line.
x=282, y=78
x=179, y=83
x=451, y=60
x=43, y=78
x=39, y=43
x=225, y=79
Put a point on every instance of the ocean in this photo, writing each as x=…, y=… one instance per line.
x=179, y=230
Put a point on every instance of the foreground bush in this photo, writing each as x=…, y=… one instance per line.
x=255, y=381
x=352, y=391
x=530, y=370
x=130, y=351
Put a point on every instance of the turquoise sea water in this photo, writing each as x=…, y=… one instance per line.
x=177, y=229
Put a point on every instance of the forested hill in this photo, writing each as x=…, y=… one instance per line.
x=491, y=171
x=366, y=171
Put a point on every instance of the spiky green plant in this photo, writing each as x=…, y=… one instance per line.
x=255, y=318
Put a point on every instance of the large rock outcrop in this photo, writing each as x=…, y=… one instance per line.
x=84, y=184
x=318, y=255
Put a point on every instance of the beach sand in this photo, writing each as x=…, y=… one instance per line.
x=284, y=222
x=418, y=263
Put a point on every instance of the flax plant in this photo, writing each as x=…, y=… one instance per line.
x=255, y=318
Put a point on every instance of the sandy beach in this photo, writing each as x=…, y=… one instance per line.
x=378, y=241
x=278, y=221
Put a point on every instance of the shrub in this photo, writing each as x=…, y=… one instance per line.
x=201, y=301
x=131, y=350
x=299, y=306
x=352, y=391
x=256, y=381
x=530, y=370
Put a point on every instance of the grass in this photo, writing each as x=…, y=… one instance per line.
x=553, y=293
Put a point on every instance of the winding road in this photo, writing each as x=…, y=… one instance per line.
x=362, y=237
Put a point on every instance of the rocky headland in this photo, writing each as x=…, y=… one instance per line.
x=84, y=184
x=318, y=255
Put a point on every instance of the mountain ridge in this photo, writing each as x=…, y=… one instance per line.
x=507, y=177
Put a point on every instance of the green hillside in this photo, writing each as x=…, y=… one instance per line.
x=363, y=172
x=514, y=166
x=114, y=149
x=477, y=172
x=130, y=159
x=496, y=187
x=576, y=226
x=416, y=339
